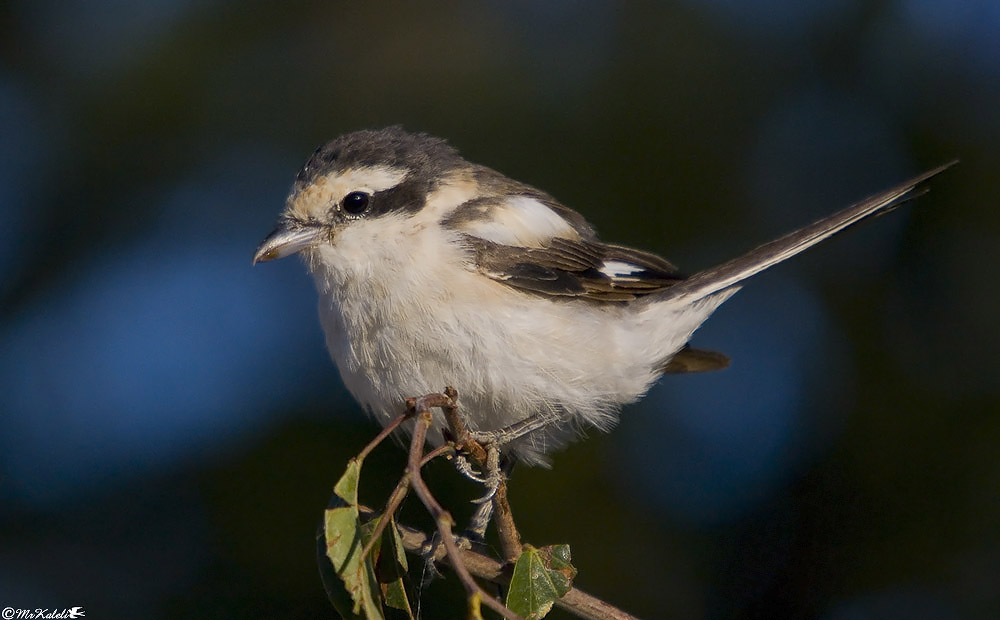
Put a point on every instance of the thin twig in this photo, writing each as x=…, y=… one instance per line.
x=590, y=607
x=443, y=519
x=402, y=487
x=510, y=538
x=436, y=452
x=576, y=601
x=396, y=498
x=385, y=432
x=460, y=434
x=391, y=506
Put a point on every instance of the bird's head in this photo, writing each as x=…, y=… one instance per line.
x=359, y=176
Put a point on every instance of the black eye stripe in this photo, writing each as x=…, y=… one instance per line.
x=407, y=197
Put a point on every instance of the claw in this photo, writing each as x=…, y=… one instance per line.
x=491, y=490
x=465, y=468
x=494, y=475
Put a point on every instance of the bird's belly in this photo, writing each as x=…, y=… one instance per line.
x=509, y=355
x=507, y=364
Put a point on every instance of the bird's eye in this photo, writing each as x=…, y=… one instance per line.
x=356, y=202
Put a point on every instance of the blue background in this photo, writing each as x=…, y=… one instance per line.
x=171, y=426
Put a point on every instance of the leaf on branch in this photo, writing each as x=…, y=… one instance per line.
x=541, y=577
x=391, y=569
x=343, y=536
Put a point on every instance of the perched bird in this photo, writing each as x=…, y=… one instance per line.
x=433, y=271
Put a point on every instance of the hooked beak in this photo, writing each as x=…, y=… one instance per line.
x=287, y=239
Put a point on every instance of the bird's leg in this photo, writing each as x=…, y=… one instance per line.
x=473, y=441
x=494, y=505
x=493, y=474
x=484, y=448
x=484, y=511
x=515, y=431
x=465, y=468
x=498, y=470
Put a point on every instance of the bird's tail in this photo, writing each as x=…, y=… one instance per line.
x=731, y=273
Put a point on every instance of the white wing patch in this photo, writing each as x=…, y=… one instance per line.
x=619, y=269
x=521, y=221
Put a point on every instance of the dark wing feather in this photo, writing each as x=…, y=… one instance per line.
x=574, y=268
x=695, y=360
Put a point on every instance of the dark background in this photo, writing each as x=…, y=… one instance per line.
x=171, y=426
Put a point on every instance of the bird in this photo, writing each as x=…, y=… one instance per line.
x=433, y=271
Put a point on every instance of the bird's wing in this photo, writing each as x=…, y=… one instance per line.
x=528, y=243
x=567, y=268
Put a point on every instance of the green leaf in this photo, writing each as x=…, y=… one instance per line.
x=344, y=538
x=541, y=577
x=391, y=569
x=558, y=561
x=339, y=597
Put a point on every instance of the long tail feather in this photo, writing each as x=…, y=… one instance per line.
x=731, y=273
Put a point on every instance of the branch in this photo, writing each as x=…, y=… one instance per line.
x=421, y=406
x=510, y=539
x=385, y=432
x=575, y=601
x=466, y=563
x=503, y=518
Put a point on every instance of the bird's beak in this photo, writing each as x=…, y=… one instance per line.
x=287, y=239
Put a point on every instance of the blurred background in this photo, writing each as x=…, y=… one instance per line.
x=171, y=425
